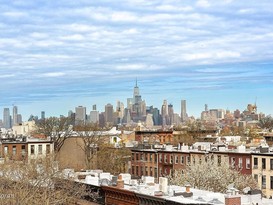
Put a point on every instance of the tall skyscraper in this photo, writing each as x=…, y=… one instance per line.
x=80, y=114
x=6, y=118
x=164, y=113
x=14, y=115
x=183, y=111
x=109, y=118
x=136, y=93
x=43, y=115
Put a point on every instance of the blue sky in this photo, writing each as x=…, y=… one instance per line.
x=56, y=55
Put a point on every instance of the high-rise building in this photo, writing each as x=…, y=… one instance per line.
x=94, y=107
x=14, y=115
x=164, y=113
x=6, y=118
x=94, y=116
x=183, y=111
x=109, y=118
x=80, y=114
x=43, y=115
x=170, y=114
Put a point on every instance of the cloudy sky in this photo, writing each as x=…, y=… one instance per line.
x=56, y=55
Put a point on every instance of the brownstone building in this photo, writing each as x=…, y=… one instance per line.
x=14, y=150
x=153, y=137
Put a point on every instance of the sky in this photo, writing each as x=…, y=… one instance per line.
x=56, y=55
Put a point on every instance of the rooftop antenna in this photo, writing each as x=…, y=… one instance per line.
x=136, y=82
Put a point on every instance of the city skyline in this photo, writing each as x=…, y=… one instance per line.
x=56, y=56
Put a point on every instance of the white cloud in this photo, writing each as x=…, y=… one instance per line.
x=203, y=3
x=15, y=14
x=74, y=37
x=53, y=74
x=172, y=8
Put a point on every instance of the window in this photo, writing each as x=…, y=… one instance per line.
x=160, y=157
x=151, y=157
x=193, y=159
x=151, y=171
x=188, y=159
x=247, y=163
x=263, y=163
x=23, y=148
x=160, y=172
x=141, y=157
x=142, y=171
x=6, y=150
x=48, y=148
x=255, y=163
x=137, y=156
x=176, y=159
x=133, y=156
x=40, y=149
x=165, y=158
x=232, y=161
x=155, y=173
x=137, y=170
x=146, y=157
x=219, y=160
x=271, y=182
x=171, y=160
x=263, y=181
x=182, y=160
x=155, y=158
x=146, y=171
x=166, y=171
x=271, y=164
x=133, y=170
x=32, y=149
x=240, y=164
x=14, y=150
x=256, y=177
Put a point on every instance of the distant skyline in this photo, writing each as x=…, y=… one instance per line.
x=57, y=55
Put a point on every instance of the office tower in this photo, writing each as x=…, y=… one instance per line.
x=206, y=108
x=183, y=111
x=164, y=113
x=80, y=114
x=14, y=115
x=6, y=118
x=19, y=119
x=109, y=118
x=43, y=115
x=94, y=107
x=149, y=121
x=94, y=116
x=170, y=114
x=136, y=94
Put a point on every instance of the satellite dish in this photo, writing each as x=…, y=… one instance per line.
x=246, y=190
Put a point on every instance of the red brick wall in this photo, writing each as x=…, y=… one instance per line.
x=236, y=200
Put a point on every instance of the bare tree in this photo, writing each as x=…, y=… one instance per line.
x=208, y=175
x=112, y=159
x=266, y=123
x=90, y=139
x=37, y=182
x=56, y=129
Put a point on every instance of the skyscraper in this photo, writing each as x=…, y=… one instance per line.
x=109, y=118
x=43, y=115
x=6, y=118
x=14, y=115
x=80, y=114
x=183, y=111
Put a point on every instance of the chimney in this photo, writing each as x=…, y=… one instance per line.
x=232, y=197
x=120, y=182
x=188, y=188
